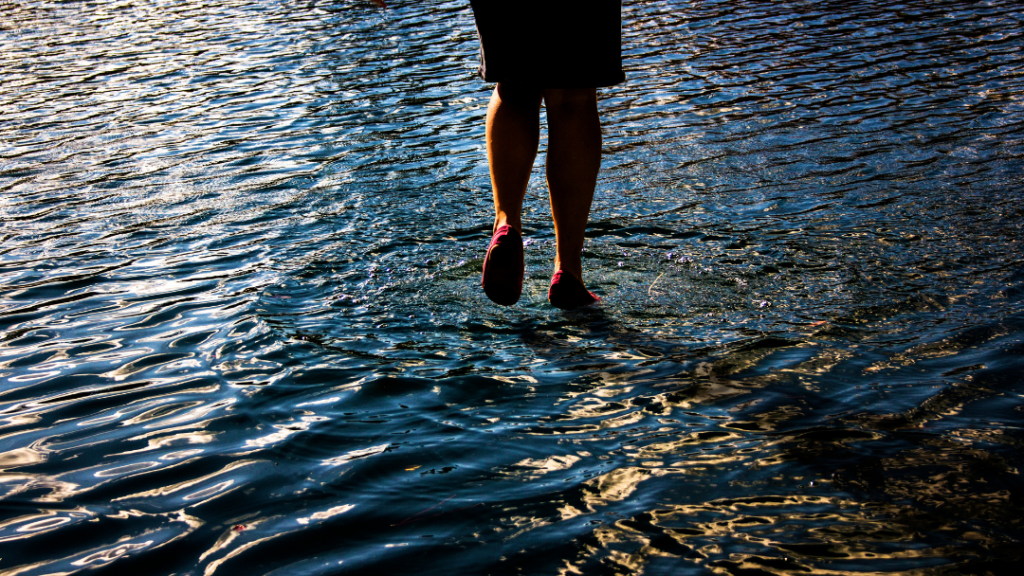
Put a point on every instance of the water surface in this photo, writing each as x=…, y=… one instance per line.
x=241, y=329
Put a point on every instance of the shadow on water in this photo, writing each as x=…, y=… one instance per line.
x=241, y=329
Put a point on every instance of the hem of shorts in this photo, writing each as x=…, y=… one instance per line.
x=560, y=83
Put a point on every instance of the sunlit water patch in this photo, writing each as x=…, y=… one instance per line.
x=241, y=329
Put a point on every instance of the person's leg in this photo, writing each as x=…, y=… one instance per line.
x=513, y=134
x=573, y=160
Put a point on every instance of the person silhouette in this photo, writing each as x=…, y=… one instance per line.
x=555, y=52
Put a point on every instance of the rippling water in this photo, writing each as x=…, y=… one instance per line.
x=241, y=330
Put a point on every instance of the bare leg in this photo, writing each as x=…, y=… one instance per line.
x=513, y=134
x=573, y=160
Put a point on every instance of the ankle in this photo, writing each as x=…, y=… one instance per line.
x=573, y=268
x=505, y=219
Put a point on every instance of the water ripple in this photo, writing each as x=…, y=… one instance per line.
x=241, y=329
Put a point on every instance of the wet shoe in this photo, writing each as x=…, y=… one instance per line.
x=503, y=267
x=567, y=292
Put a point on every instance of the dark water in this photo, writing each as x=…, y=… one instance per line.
x=241, y=330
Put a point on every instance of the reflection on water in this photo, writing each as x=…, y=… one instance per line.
x=241, y=329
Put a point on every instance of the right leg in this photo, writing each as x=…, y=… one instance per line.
x=574, y=158
x=513, y=134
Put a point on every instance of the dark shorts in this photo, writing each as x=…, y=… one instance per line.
x=550, y=43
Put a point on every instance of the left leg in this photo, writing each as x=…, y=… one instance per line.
x=513, y=132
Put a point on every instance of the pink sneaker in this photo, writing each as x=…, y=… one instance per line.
x=567, y=292
x=503, y=267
